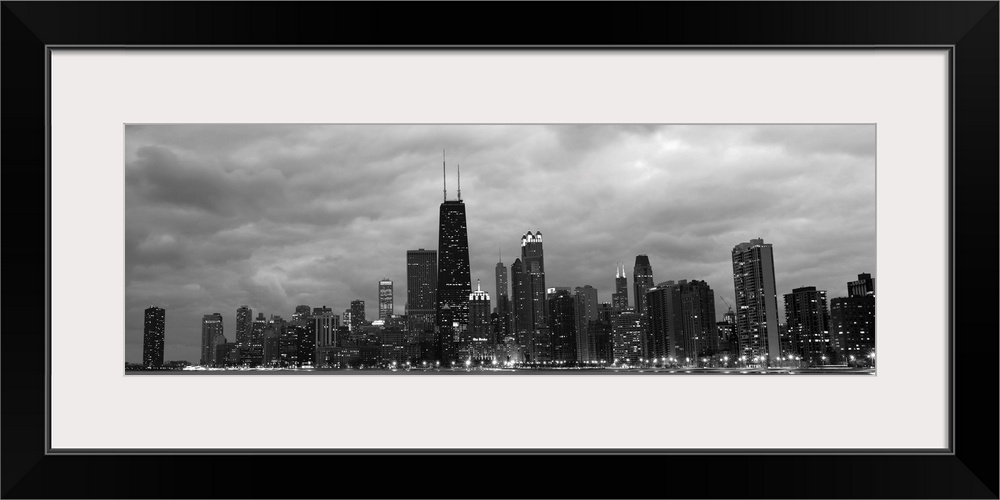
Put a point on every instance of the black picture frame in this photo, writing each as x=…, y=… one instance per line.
x=970, y=29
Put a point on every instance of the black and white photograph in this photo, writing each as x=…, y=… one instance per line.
x=738, y=249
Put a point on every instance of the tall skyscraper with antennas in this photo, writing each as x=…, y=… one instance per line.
x=454, y=284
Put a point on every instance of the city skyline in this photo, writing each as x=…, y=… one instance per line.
x=213, y=221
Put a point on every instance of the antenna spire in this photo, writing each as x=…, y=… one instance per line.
x=500, y=252
x=444, y=176
x=459, y=182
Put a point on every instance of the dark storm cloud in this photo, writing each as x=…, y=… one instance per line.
x=273, y=216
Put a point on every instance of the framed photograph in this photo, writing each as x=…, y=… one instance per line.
x=277, y=242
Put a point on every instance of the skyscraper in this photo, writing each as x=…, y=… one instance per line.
x=562, y=324
x=681, y=319
x=808, y=322
x=642, y=280
x=357, y=314
x=421, y=290
x=152, y=336
x=503, y=302
x=619, y=299
x=244, y=323
x=533, y=260
x=521, y=288
x=586, y=316
x=454, y=284
x=756, y=300
x=480, y=331
x=852, y=319
x=301, y=311
x=255, y=352
x=211, y=337
x=384, y=299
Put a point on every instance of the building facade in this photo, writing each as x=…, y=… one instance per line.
x=421, y=291
x=586, y=315
x=153, y=331
x=211, y=336
x=385, y=308
x=642, y=281
x=756, y=300
x=562, y=327
x=808, y=323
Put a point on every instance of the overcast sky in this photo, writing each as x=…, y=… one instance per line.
x=272, y=216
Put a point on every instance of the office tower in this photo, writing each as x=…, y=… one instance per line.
x=586, y=313
x=152, y=336
x=756, y=300
x=384, y=299
x=521, y=288
x=602, y=331
x=503, y=322
x=552, y=291
x=562, y=325
x=619, y=299
x=252, y=353
x=642, y=280
x=454, y=284
x=244, y=323
x=852, y=319
x=533, y=259
x=292, y=335
x=272, y=341
x=325, y=326
x=357, y=314
x=629, y=344
x=681, y=318
x=346, y=320
x=480, y=331
x=808, y=323
x=301, y=312
x=421, y=291
x=211, y=336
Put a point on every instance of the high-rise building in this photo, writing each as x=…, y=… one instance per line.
x=421, y=291
x=533, y=259
x=756, y=300
x=272, y=340
x=586, y=314
x=520, y=286
x=681, y=319
x=642, y=280
x=253, y=352
x=211, y=336
x=325, y=326
x=503, y=304
x=629, y=345
x=454, y=283
x=562, y=325
x=357, y=314
x=852, y=319
x=619, y=299
x=479, y=331
x=244, y=325
x=152, y=336
x=603, y=332
x=808, y=323
x=385, y=299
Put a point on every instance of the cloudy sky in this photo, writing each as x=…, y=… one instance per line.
x=273, y=216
